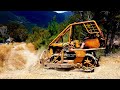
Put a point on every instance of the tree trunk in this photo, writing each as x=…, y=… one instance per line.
x=111, y=41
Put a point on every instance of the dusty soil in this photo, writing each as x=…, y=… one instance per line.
x=109, y=68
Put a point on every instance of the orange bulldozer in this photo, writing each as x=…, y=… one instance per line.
x=75, y=47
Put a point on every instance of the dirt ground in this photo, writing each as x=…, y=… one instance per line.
x=109, y=69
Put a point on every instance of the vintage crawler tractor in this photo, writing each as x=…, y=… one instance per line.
x=74, y=48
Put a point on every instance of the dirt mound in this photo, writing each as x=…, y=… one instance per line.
x=15, y=61
x=31, y=47
x=4, y=50
x=18, y=56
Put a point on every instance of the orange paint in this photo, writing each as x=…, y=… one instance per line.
x=92, y=43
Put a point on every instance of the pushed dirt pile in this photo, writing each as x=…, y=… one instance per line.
x=18, y=56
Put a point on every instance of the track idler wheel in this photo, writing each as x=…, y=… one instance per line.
x=88, y=64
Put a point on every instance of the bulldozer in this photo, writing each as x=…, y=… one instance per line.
x=75, y=47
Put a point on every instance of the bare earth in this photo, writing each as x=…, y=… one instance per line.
x=109, y=69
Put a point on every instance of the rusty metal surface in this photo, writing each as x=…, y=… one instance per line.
x=87, y=49
x=64, y=65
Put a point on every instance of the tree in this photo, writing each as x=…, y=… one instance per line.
x=110, y=22
x=17, y=31
x=53, y=26
x=81, y=16
x=21, y=33
x=39, y=37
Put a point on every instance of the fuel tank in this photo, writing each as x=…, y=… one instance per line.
x=92, y=43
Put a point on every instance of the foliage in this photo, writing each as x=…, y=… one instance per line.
x=17, y=31
x=81, y=16
x=43, y=36
x=1, y=39
x=38, y=37
x=110, y=22
x=53, y=26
